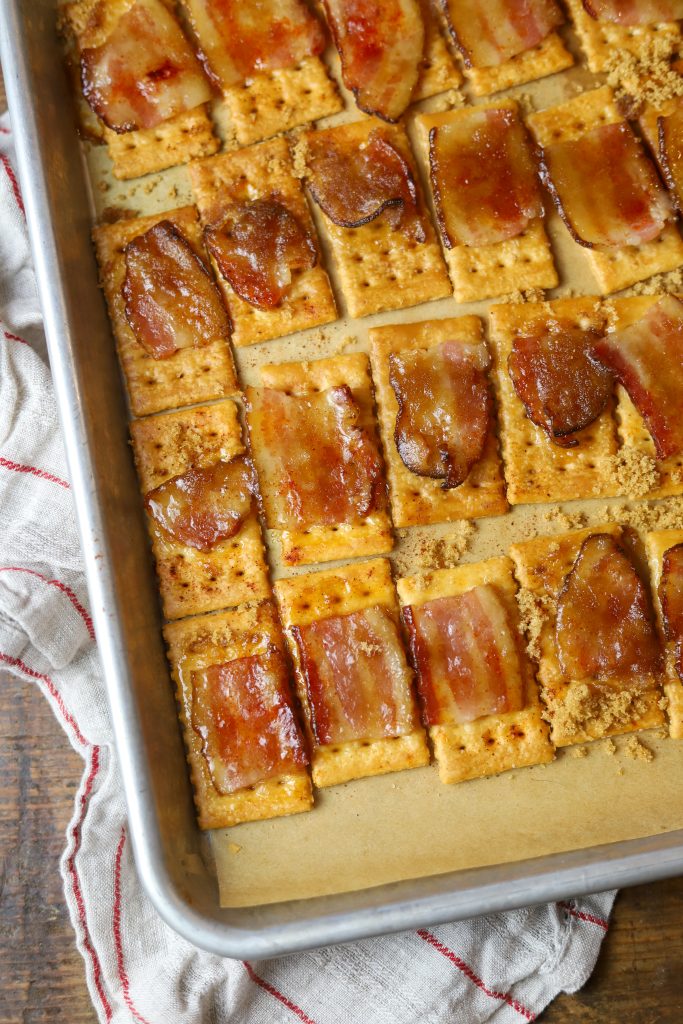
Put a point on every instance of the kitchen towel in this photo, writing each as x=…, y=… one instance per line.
x=500, y=968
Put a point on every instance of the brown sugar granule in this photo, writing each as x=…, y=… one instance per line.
x=579, y=752
x=533, y=613
x=635, y=472
x=420, y=552
x=646, y=77
x=637, y=750
x=666, y=514
x=565, y=520
x=585, y=703
x=659, y=284
x=610, y=747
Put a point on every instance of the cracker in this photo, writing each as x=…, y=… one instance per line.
x=234, y=571
x=485, y=271
x=599, y=39
x=613, y=269
x=268, y=104
x=493, y=743
x=377, y=266
x=541, y=566
x=373, y=535
x=439, y=70
x=259, y=172
x=308, y=598
x=633, y=433
x=418, y=500
x=190, y=374
x=546, y=58
x=535, y=468
x=656, y=544
x=196, y=644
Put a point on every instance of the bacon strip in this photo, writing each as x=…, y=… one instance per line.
x=354, y=185
x=647, y=359
x=670, y=139
x=357, y=679
x=444, y=409
x=671, y=599
x=318, y=466
x=634, y=12
x=242, y=711
x=605, y=187
x=562, y=387
x=604, y=626
x=144, y=73
x=467, y=657
x=380, y=43
x=203, y=507
x=484, y=178
x=238, y=39
x=489, y=32
x=170, y=298
x=257, y=245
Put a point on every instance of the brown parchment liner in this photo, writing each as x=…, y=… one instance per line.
x=408, y=824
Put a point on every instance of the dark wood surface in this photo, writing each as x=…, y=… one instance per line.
x=638, y=979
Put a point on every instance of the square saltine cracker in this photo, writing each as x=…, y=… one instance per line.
x=419, y=500
x=190, y=374
x=373, y=535
x=613, y=269
x=377, y=266
x=535, y=468
x=657, y=544
x=198, y=643
x=254, y=173
x=314, y=596
x=493, y=743
x=485, y=271
x=601, y=40
x=234, y=571
x=542, y=565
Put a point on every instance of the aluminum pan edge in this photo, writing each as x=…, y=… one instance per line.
x=93, y=422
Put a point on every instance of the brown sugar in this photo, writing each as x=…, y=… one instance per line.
x=666, y=514
x=534, y=610
x=609, y=709
x=635, y=472
x=659, y=284
x=646, y=77
x=422, y=552
x=637, y=750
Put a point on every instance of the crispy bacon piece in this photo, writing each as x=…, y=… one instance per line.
x=604, y=626
x=489, y=32
x=380, y=43
x=670, y=139
x=562, y=387
x=671, y=599
x=257, y=245
x=242, y=711
x=484, y=178
x=203, y=507
x=444, y=408
x=353, y=185
x=144, y=72
x=647, y=359
x=319, y=466
x=634, y=12
x=170, y=298
x=239, y=39
x=605, y=188
x=466, y=655
x=357, y=678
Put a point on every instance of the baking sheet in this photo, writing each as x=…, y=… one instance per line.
x=408, y=825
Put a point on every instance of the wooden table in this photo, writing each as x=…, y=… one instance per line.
x=638, y=980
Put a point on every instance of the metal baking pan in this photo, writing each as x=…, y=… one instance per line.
x=124, y=601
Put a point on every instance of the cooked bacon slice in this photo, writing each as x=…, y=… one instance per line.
x=671, y=599
x=489, y=32
x=562, y=387
x=484, y=178
x=203, y=507
x=647, y=359
x=605, y=187
x=670, y=131
x=257, y=245
x=357, y=679
x=444, y=408
x=380, y=43
x=239, y=39
x=243, y=713
x=467, y=657
x=353, y=185
x=319, y=467
x=604, y=622
x=170, y=298
x=144, y=72
x=634, y=12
